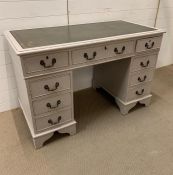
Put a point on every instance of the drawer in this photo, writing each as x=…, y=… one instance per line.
x=141, y=77
x=49, y=84
x=139, y=91
x=48, y=104
x=141, y=63
x=148, y=44
x=53, y=120
x=88, y=54
x=119, y=49
x=45, y=62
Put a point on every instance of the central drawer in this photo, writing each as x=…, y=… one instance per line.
x=119, y=49
x=51, y=103
x=88, y=54
x=49, y=84
x=100, y=52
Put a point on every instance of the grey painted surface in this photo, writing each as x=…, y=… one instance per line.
x=49, y=84
x=121, y=58
x=56, y=102
x=53, y=120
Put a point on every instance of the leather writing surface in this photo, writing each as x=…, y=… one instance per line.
x=30, y=38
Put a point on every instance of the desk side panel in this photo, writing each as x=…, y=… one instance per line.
x=22, y=89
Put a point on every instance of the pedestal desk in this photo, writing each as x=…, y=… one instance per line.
x=123, y=54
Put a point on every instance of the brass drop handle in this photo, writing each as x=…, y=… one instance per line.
x=140, y=93
x=46, y=87
x=145, y=65
x=120, y=52
x=50, y=121
x=42, y=63
x=142, y=80
x=149, y=46
x=53, y=107
x=90, y=58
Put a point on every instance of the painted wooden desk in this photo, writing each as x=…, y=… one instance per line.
x=44, y=60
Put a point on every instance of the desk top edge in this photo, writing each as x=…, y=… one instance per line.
x=22, y=51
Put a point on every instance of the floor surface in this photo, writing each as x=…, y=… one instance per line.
x=107, y=143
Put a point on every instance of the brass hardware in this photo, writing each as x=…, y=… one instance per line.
x=120, y=52
x=140, y=93
x=42, y=63
x=87, y=57
x=145, y=65
x=53, y=107
x=46, y=87
x=142, y=80
x=50, y=121
x=149, y=46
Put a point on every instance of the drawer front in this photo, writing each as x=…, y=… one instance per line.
x=53, y=120
x=119, y=49
x=88, y=54
x=141, y=77
x=139, y=91
x=141, y=63
x=53, y=103
x=45, y=62
x=148, y=44
x=50, y=84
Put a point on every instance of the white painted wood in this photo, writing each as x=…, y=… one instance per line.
x=113, y=76
x=55, y=83
x=32, y=63
x=20, y=51
x=39, y=141
x=143, y=62
x=82, y=78
x=40, y=105
x=129, y=48
x=53, y=120
x=126, y=107
x=141, y=77
x=148, y=44
x=22, y=89
x=92, y=53
x=138, y=91
x=70, y=130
